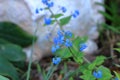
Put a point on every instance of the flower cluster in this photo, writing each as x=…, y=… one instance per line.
x=61, y=40
x=49, y=4
x=63, y=37
x=97, y=74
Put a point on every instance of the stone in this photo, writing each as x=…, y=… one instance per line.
x=22, y=12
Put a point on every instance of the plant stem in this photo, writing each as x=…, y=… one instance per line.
x=55, y=20
x=50, y=72
x=32, y=50
x=85, y=59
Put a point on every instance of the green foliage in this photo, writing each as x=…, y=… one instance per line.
x=87, y=70
x=14, y=34
x=2, y=41
x=98, y=61
x=117, y=49
x=56, y=15
x=78, y=55
x=7, y=69
x=79, y=40
x=3, y=78
x=67, y=52
x=63, y=53
x=106, y=74
x=87, y=75
x=68, y=73
x=71, y=78
x=117, y=75
x=65, y=20
x=10, y=53
x=112, y=16
x=12, y=37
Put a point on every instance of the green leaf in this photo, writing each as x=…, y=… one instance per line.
x=106, y=74
x=71, y=78
x=7, y=69
x=118, y=43
x=112, y=28
x=98, y=61
x=63, y=53
x=117, y=49
x=117, y=75
x=76, y=42
x=104, y=5
x=56, y=15
x=2, y=41
x=3, y=78
x=13, y=33
x=87, y=75
x=106, y=15
x=65, y=20
x=79, y=40
x=77, y=55
x=83, y=67
x=78, y=60
x=92, y=66
x=12, y=52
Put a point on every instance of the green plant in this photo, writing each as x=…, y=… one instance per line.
x=12, y=39
x=112, y=15
x=3, y=78
x=67, y=46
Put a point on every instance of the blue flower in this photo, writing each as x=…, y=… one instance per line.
x=37, y=11
x=60, y=33
x=55, y=41
x=41, y=9
x=68, y=43
x=44, y=1
x=97, y=74
x=47, y=21
x=82, y=46
x=75, y=14
x=116, y=78
x=63, y=9
x=59, y=39
x=68, y=33
x=56, y=60
x=50, y=4
x=54, y=48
